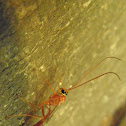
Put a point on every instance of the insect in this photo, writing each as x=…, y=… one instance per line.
x=58, y=97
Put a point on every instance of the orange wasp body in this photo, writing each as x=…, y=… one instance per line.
x=59, y=97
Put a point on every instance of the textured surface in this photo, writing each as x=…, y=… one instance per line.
x=62, y=40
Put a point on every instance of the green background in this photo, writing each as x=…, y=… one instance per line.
x=63, y=40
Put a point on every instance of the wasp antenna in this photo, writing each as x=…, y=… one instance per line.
x=94, y=68
x=94, y=79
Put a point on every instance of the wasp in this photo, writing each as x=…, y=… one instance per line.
x=58, y=97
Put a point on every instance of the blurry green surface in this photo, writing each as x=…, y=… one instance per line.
x=63, y=40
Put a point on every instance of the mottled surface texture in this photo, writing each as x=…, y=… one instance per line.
x=63, y=39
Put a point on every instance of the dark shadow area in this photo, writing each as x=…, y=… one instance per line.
x=7, y=21
x=119, y=115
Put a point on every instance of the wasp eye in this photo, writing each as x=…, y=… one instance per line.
x=63, y=92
